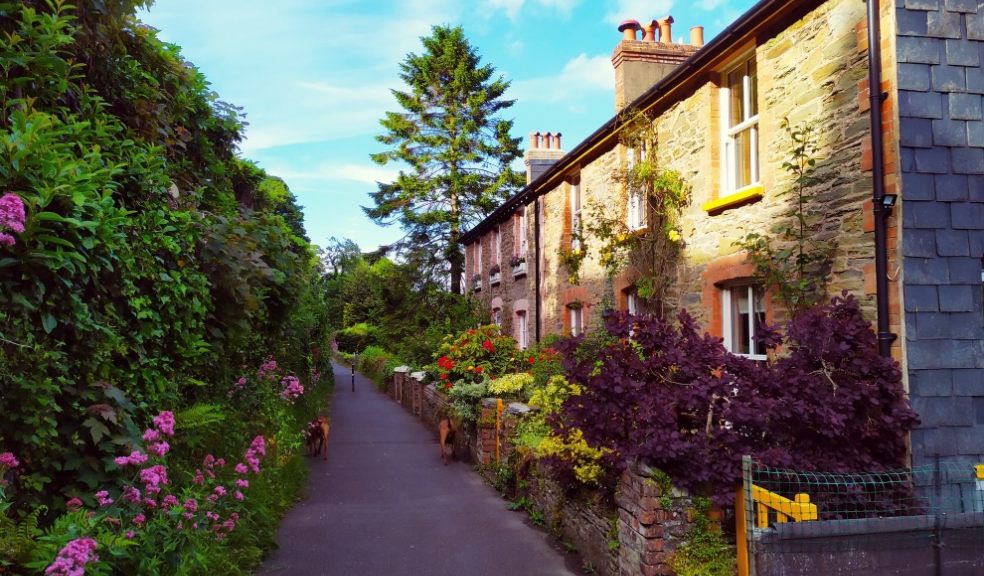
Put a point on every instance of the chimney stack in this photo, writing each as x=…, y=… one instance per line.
x=639, y=64
x=544, y=151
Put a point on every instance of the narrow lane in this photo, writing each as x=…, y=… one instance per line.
x=384, y=504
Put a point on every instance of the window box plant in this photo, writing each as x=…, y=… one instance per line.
x=518, y=264
x=476, y=282
x=495, y=274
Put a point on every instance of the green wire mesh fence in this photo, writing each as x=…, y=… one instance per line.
x=927, y=520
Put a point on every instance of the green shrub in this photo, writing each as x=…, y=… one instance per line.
x=356, y=338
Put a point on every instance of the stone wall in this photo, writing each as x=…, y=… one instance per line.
x=940, y=47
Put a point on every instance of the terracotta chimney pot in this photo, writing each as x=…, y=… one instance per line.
x=548, y=140
x=697, y=36
x=557, y=141
x=628, y=28
x=665, y=35
x=650, y=30
x=534, y=140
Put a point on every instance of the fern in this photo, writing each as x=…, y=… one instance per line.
x=18, y=539
x=199, y=415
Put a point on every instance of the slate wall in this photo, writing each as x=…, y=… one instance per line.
x=940, y=50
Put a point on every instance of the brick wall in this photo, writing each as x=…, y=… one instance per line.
x=940, y=48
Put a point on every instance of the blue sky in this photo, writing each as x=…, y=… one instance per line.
x=314, y=77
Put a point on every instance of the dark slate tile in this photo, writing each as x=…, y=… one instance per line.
x=949, y=132
x=963, y=271
x=963, y=53
x=913, y=77
x=925, y=271
x=961, y=5
x=942, y=24
x=921, y=104
x=947, y=325
x=943, y=413
x=970, y=443
x=977, y=244
x=966, y=160
x=975, y=25
x=957, y=298
x=919, y=50
x=948, y=78
x=967, y=215
x=952, y=243
x=918, y=243
x=979, y=410
x=932, y=160
x=968, y=382
x=928, y=214
x=913, y=23
x=975, y=185
x=917, y=132
x=928, y=383
x=951, y=187
x=965, y=106
x=975, y=134
x=928, y=442
x=975, y=79
x=918, y=186
x=921, y=298
x=922, y=4
x=907, y=158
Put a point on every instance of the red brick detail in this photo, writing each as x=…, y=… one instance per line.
x=869, y=278
x=866, y=154
x=868, y=216
x=731, y=267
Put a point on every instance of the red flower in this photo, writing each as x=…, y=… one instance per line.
x=445, y=363
x=531, y=360
x=471, y=331
x=488, y=346
x=448, y=386
x=444, y=376
x=478, y=370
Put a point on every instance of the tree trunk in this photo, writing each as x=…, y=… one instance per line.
x=454, y=251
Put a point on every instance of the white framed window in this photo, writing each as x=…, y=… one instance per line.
x=521, y=328
x=739, y=124
x=577, y=320
x=636, y=209
x=497, y=316
x=575, y=216
x=496, y=245
x=632, y=303
x=743, y=316
x=478, y=257
x=519, y=234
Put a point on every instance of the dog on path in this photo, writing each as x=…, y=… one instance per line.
x=445, y=433
x=317, y=440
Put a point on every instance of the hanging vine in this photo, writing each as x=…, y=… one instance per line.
x=651, y=245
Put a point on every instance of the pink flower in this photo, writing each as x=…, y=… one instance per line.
x=165, y=422
x=252, y=460
x=159, y=448
x=220, y=490
x=7, y=239
x=130, y=534
x=103, y=498
x=239, y=496
x=199, y=477
x=191, y=505
x=153, y=478
x=241, y=483
x=151, y=435
x=131, y=494
x=73, y=504
x=7, y=459
x=71, y=559
x=267, y=368
x=259, y=444
x=135, y=457
x=150, y=503
x=241, y=383
x=291, y=388
x=11, y=217
x=170, y=501
x=139, y=519
x=241, y=468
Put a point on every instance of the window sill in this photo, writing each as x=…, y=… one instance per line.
x=742, y=196
x=494, y=279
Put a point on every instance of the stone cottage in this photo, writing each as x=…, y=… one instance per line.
x=903, y=211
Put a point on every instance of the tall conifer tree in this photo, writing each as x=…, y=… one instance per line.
x=456, y=147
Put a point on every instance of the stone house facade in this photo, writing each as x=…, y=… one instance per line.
x=718, y=112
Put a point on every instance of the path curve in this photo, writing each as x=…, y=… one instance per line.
x=383, y=504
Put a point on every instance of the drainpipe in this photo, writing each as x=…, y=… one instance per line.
x=885, y=338
x=536, y=241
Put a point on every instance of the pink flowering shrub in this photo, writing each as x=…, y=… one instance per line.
x=72, y=559
x=259, y=384
x=11, y=218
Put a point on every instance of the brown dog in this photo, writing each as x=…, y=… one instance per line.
x=318, y=436
x=445, y=433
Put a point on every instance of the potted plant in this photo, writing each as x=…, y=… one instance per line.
x=518, y=264
x=494, y=274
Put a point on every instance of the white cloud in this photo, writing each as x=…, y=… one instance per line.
x=512, y=8
x=352, y=172
x=594, y=73
x=641, y=10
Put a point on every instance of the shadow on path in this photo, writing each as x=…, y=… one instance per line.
x=383, y=504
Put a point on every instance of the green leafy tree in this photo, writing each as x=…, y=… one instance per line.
x=456, y=147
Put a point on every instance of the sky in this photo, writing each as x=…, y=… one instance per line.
x=314, y=77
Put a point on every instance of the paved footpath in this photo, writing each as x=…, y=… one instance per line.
x=383, y=504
